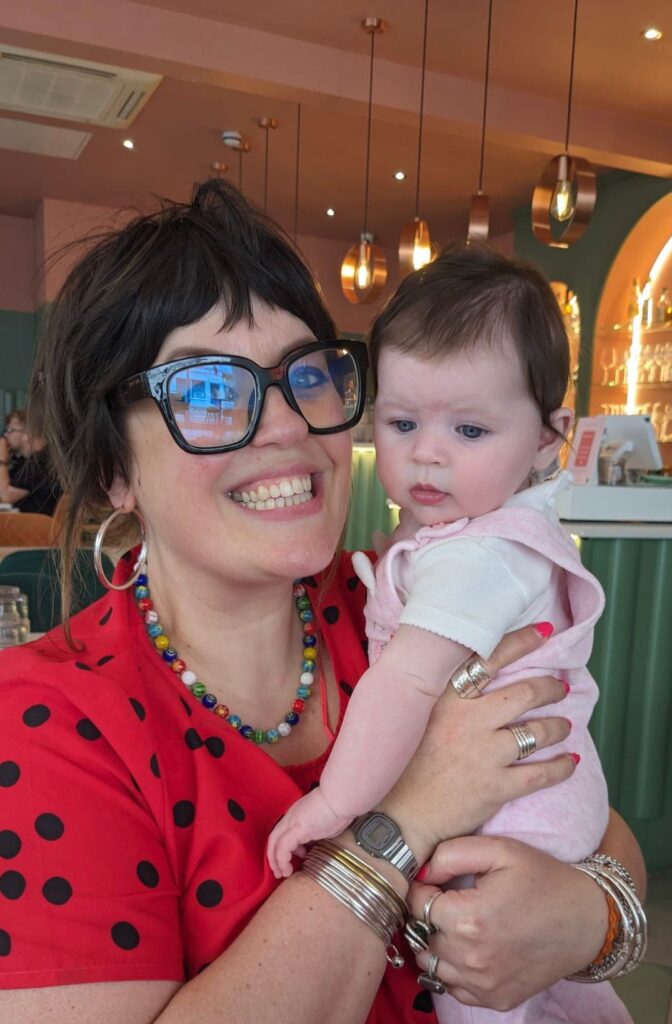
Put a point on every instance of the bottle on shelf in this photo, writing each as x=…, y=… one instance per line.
x=633, y=302
x=661, y=307
x=647, y=304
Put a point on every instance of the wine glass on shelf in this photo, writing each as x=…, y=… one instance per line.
x=608, y=360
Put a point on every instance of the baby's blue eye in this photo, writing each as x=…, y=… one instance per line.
x=470, y=432
x=403, y=426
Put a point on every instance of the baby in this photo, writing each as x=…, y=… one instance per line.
x=471, y=364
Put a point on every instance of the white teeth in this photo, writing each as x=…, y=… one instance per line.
x=237, y=496
x=274, y=491
x=253, y=496
x=245, y=496
x=280, y=502
x=297, y=485
x=281, y=494
x=286, y=489
x=263, y=493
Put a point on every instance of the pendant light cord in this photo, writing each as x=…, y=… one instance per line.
x=368, y=136
x=296, y=179
x=571, y=77
x=422, y=112
x=485, y=99
x=266, y=172
x=240, y=168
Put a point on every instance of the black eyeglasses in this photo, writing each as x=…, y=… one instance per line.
x=213, y=403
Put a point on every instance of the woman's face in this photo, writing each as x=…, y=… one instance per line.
x=192, y=503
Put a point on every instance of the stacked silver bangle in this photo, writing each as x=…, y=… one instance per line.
x=630, y=942
x=365, y=892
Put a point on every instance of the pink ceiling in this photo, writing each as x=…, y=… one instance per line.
x=225, y=64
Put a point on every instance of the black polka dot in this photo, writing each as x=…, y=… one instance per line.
x=215, y=745
x=183, y=813
x=49, y=826
x=84, y=667
x=154, y=766
x=106, y=617
x=87, y=730
x=57, y=891
x=9, y=773
x=5, y=943
x=423, y=1003
x=138, y=708
x=187, y=707
x=147, y=874
x=310, y=581
x=10, y=844
x=347, y=689
x=331, y=614
x=209, y=893
x=352, y=582
x=38, y=714
x=192, y=739
x=235, y=810
x=104, y=660
x=12, y=884
x=124, y=935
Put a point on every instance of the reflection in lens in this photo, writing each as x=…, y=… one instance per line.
x=212, y=403
x=325, y=385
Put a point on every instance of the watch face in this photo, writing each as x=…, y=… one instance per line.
x=378, y=831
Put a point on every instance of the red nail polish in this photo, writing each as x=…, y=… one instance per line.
x=544, y=629
x=569, y=723
x=565, y=685
x=575, y=758
x=423, y=872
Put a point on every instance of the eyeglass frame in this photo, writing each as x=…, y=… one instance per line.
x=152, y=384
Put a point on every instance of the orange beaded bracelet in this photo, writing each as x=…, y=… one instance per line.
x=612, y=931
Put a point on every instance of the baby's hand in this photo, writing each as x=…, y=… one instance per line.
x=310, y=818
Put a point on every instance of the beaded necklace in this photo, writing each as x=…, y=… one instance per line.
x=167, y=652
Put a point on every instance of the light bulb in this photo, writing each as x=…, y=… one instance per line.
x=422, y=254
x=562, y=203
x=363, y=275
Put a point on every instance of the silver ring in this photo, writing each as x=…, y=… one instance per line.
x=426, y=911
x=525, y=740
x=430, y=981
x=417, y=935
x=468, y=680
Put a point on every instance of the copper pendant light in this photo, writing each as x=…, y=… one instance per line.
x=566, y=192
x=479, y=207
x=415, y=245
x=364, y=269
x=234, y=140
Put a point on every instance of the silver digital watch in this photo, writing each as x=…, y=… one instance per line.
x=381, y=837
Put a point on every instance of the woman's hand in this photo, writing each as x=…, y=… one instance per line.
x=4, y=449
x=462, y=773
x=526, y=908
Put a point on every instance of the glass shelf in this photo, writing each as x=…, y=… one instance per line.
x=648, y=386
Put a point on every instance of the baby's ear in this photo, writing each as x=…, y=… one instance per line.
x=549, y=442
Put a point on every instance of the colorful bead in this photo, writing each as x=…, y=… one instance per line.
x=209, y=700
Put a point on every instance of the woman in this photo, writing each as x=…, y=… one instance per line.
x=141, y=817
x=26, y=476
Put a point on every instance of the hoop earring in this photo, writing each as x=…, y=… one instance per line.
x=98, y=550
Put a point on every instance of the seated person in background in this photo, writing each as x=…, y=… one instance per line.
x=26, y=479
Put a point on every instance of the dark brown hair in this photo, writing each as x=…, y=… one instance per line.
x=473, y=295
x=133, y=287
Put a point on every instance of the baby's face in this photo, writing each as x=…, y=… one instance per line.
x=456, y=437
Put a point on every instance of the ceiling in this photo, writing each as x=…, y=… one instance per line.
x=225, y=64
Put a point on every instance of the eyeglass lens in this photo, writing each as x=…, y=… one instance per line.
x=213, y=404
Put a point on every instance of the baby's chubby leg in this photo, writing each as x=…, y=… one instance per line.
x=309, y=818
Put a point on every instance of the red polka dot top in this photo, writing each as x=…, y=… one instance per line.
x=134, y=821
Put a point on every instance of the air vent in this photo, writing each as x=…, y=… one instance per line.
x=47, y=85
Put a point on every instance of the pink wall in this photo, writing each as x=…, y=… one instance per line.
x=17, y=264
x=59, y=224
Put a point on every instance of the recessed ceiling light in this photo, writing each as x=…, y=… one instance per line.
x=400, y=175
x=652, y=35
x=127, y=143
x=330, y=211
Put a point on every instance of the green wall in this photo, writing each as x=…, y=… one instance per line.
x=18, y=334
x=622, y=199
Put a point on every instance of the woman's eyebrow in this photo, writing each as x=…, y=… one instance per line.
x=189, y=351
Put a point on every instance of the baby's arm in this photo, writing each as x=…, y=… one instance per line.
x=384, y=723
